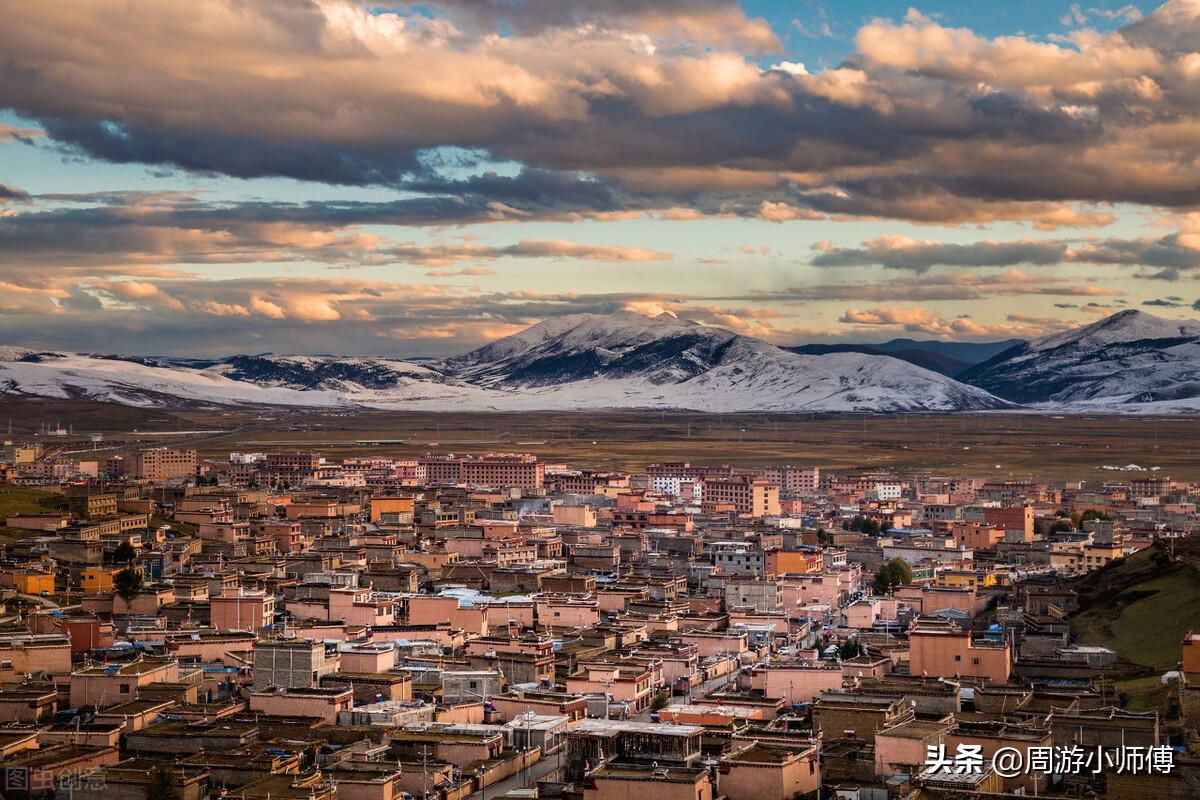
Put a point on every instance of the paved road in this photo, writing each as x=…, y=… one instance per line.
x=45, y=602
x=696, y=693
x=531, y=776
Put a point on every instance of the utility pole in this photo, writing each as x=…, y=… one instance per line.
x=424, y=772
x=528, y=747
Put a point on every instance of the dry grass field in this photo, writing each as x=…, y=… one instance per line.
x=1020, y=445
x=1003, y=444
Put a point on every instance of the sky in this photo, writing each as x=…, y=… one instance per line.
x=414, y=180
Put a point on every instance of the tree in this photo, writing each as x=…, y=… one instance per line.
x=124, y=554
x=1062, y=526
x=866, y=525
x=163, y=785
x=822, y=536
x=890, y=575
x=849, y=649
x=127, y=583
x=659, y=701
x=1078, y=518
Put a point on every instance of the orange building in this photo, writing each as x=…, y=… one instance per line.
x=752, y=497
x=425, y=610
x=1014, y=518
x=30, y=581
x=1191, y=652
x=767, y=771
x=162, y=464
x=783, y=562
x=244, y=611
x=523, y=471
x=974, y=536
x=390, y=505
x=97, y=580
x=945, y=651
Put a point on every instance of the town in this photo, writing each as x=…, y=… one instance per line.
x=280, y=624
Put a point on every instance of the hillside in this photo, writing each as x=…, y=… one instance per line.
x=1130, y=361
x=948, y=358
x=632, y=361
x=1142, y=605
x=20, y=500
x=615, y=361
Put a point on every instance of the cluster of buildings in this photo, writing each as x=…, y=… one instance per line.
x=281, y=625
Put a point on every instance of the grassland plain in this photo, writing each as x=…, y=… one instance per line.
x=1016, y=445
x=1029, y=446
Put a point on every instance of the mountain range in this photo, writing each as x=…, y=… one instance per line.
x=1131, y=361
x=1128, y=361
x=948, y=358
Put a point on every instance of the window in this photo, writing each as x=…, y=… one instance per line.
x=975, y=661
x=124, y=688
x=473, y=685
x=958, y=658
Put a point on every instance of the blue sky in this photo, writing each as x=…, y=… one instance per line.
x=326, y=177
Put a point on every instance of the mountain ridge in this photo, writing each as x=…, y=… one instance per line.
x=622, y=360
x=1131, y=359
x=1129, y=362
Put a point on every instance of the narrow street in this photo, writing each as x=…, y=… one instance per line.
x=529, y=777
x=698, y=691
x=44, y=602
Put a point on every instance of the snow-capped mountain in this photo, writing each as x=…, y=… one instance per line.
x=1130, y=361
x=629, y=360
x=622, y=360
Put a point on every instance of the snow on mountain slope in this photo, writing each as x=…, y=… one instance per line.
x=506, y=348
x=585, y=361
x=1130, y=361
x=306, y=381
x=137, y=383
x=628, y=360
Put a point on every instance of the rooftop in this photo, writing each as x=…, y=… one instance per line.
x=602, y=727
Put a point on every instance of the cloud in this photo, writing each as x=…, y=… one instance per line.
x=450, y=273
x=532, y=248
x=1076, y=15
x=910, y=317
x=704, y=21
x=1174, y=252
x=11, y=133
x=266, y=308
x=10, y=193
x=633, y=106
x=118, y=233
x=175, y=315
x=903, y=252
x=782, y=212
x=916, y=319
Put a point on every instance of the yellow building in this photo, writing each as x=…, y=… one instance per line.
x=98, y=580
x=1069, y=562
x=966, y=579
x=1191, y=653
x=28, y=581
x=1097, y=555
x=1077, y=559
x=390, y=505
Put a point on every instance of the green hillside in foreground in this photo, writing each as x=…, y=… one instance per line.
x=1141, y=606
x=19, y=500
